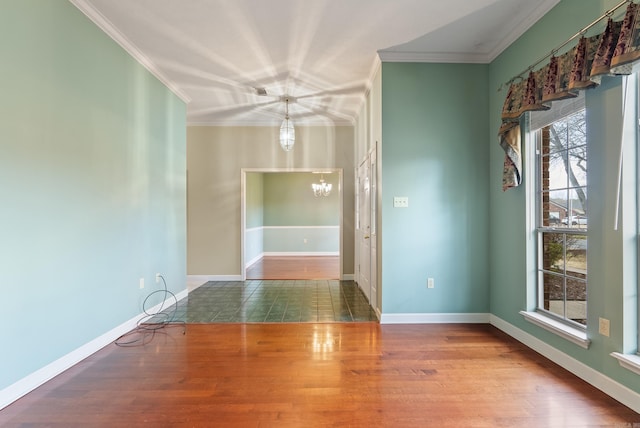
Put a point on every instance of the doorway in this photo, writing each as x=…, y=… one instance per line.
x=287, y=231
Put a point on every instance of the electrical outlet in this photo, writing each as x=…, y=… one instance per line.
x=431, y=283
x=603, y=327
x=141, y=283
x=157, y=278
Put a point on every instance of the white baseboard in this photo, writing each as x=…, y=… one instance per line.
x=301, y=253
x=27, y=384
x=195, y=281
x=434, y=318
x=253, y=261
x=607, y=385
x=348, y=277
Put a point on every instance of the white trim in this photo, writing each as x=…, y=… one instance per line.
x=522, y=27
x=307, y=123
x=628, y=361
x=574, y=335
x=253, y=261
x=473, y=57
x=443, y=57
x=302, y=253
x=300, y=227
x=201, y=279
x=108, y=28
x=348, y=277
x=480, y=318
x=30, y=382
x=619, y=392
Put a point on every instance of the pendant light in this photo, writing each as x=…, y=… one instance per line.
x=287, y=131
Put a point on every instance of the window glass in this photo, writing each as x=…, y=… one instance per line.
x=562, y=214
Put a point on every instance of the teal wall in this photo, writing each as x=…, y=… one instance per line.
x=92, y=184
x=612, y=283
x=434, y=125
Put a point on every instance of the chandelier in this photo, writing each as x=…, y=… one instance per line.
x=321, y=189
x=287, y=131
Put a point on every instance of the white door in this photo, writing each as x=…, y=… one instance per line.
x=373, y=202
x=364, y=230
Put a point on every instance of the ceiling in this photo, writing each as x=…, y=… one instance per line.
x=217, y=54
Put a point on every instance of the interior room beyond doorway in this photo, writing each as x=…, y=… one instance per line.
x=290, y=231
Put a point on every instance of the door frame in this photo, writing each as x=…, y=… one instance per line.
x=243, y=206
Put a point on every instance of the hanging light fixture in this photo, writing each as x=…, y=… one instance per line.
x=287, y=131
x=321, y=189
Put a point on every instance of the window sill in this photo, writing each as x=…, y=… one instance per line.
x=574, y=335
x=628, y=361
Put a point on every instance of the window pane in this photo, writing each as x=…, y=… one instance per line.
x=553, y=252
x=577, y=300
x=576, y=264
x=558, y=178
x=576, y=129
x=578, y=161
x=552, y=211
x=577, y=212
x=558, y=136
x=557, y=210
x=554, y=294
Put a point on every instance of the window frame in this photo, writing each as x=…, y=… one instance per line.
x=541, y=230
x=530, y=122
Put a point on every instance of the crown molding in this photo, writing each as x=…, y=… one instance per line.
x=236, y=123
x=473, y=57
x=543, y=8
x=108, y=28
x=435, y=57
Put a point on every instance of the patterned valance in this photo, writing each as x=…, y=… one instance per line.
x=615, y=51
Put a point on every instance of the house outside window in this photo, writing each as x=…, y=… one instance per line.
x=562, y=214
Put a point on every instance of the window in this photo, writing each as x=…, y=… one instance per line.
x=562, y=214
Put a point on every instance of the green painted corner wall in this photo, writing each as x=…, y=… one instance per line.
x=92, y=184
x=611, y=276
x=434, y=126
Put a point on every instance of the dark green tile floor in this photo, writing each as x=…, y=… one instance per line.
x=274, y=301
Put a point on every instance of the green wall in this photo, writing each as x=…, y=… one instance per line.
x=92, y=184
x=434, y=126
x=289, y=200
x=612, y=284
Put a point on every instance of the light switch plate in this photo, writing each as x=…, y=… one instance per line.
x=400, y=202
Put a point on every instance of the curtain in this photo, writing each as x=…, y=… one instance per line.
x=615, y=51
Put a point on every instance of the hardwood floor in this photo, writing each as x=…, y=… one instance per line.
x=295, y=267
x=319, y=375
